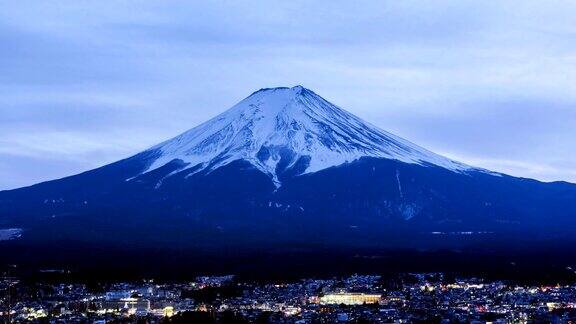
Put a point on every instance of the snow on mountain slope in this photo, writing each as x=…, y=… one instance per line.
x=280, y=127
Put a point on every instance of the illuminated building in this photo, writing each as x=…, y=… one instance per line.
x=350, y=298
x=552, y=306
x=168, y=311
x=132, y=304
x=117, y=295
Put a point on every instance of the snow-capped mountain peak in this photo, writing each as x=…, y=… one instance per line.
x=279, y=129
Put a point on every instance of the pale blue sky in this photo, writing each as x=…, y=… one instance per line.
x=85, y=83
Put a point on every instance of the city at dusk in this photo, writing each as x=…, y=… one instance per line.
x=287, y=162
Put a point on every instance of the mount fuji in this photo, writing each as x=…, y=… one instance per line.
x=279, y=129
x=285, y=168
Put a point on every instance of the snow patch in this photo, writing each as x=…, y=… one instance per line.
x=7, y=234
x=399, y=184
